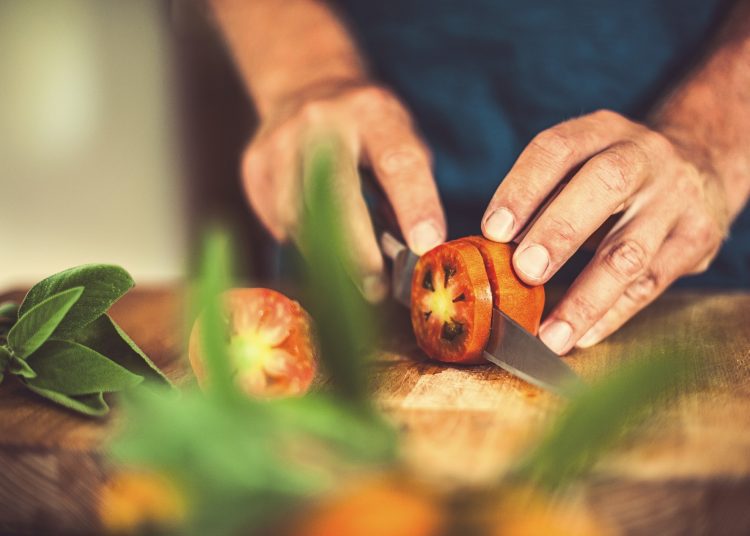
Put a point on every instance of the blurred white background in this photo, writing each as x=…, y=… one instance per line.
x=88, y=167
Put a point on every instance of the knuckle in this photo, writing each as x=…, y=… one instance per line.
x=374, y=95
x=312, y=111
x=400, y=159
x=637, y=154
x=615, y=172
x=561, y=231
x=288, y=216
x=607, y=116
x=520, y=196
x=379, y=104
x=643, y=288
x=553, y=145
x=626, y=259
x=657, y=142
x=705, y=232
x=252, y=165
x=690, y=185
x=701, y=267
x=582, y=311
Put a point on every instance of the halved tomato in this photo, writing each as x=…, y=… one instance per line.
x=451, y=303
x=521, y=302
x=271, y=343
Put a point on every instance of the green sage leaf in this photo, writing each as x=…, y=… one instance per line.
x=215, y=279
x=72, y=369
x=20, y=367
x=92, y=404
x=8, y=317
x=104, y=284
x=37, y=324
x=5, y=358
x=345, y=326
x=9, y=309
x=106, y=337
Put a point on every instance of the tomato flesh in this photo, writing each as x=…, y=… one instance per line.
x=521, y=302
x=451, y=303
x=271, y=344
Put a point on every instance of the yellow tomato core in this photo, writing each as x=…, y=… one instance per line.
x=440, y=303
x=250, y=349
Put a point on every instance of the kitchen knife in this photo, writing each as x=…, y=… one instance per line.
x=510, y=347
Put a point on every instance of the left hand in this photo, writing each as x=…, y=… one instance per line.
x=674, y=218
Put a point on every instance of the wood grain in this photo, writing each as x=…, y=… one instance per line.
x=706, y=434
x=688, y=473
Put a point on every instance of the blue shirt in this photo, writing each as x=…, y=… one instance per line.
x=482, y=77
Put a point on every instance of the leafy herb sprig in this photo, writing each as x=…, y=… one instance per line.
x=241, y=463
x=61, y=344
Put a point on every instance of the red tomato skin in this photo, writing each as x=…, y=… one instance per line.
x=522, y=302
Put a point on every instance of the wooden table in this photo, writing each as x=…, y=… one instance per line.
x=690, y=473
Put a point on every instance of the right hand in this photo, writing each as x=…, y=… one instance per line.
x=376, y=131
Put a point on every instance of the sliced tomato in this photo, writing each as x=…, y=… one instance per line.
x=271, y=343
x=451, y=301
x=521, y=302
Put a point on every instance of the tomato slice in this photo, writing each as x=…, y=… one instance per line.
x=451, y=300
x=521, y=302
x=271, y=343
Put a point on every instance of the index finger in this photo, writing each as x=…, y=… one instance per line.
x=402, y=166
x=601, y=186
x=548, y=159
x=364, y=261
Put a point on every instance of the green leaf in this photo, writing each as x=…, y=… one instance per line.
x=214, y=280
x=92, y=404
x=607, y=412
x=104, y=336
x=245, y=462
x=72, y=369
x=37, y=324
x=8, y=317
x=344, y=324
x=5, y=357
x=9, y=309
x=20, y=367
x=104, y=284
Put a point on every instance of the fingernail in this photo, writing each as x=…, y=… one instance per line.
x=590, y=338
x=533, y=261
x=499, y=225
x=556, y=335
x=424, y=236
x=374, y=288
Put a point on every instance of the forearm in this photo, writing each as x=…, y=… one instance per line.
x=709, y=113
x=283, y=46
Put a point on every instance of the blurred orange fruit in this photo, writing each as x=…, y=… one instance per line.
x=135, y=499
x=375, y=507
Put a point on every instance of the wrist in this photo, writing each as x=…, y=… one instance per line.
x=718, y=165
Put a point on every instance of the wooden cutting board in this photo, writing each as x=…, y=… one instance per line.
x=688, y=473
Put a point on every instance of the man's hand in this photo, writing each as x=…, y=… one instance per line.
x=674, y=217
x=306, y=77
x=375, y=131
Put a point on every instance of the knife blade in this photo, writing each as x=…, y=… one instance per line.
x=514, y=349
x=510, y=346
